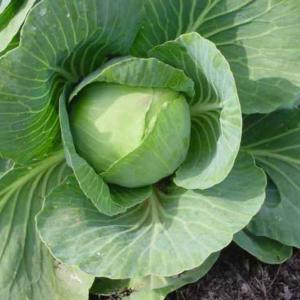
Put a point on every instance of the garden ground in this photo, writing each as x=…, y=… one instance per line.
x=239, y=276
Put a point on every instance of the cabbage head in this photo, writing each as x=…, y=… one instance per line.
x=138, y=138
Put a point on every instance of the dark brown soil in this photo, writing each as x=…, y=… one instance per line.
x=239, y=276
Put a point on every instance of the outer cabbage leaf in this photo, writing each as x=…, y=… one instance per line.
x=264, y=249
x=27, y=270
x=274, y=140
x=260, y=39
x=60, y=42
x=140, y=72
x=152, y=286
x=215, y=110
x=12, y=16
x=173, y=231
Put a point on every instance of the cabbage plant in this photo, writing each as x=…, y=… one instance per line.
x=138, y=138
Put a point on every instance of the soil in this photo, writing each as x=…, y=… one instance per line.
x=239, y=276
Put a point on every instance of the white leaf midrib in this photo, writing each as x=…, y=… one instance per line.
x=39, y=168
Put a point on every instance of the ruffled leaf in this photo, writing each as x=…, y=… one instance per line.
x=215, y=110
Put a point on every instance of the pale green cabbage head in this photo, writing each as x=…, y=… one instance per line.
x=111, y=122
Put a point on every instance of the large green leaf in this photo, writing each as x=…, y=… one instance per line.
x=215, y=110
x=274, y=140
x=265, y=249
x=173, y=231
x=152, y=286
x=109, y=200
x=259, y=38
x=27, y=270
x=12, y=16
x=60, y=42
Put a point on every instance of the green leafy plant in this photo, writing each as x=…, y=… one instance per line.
x=139, y=138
